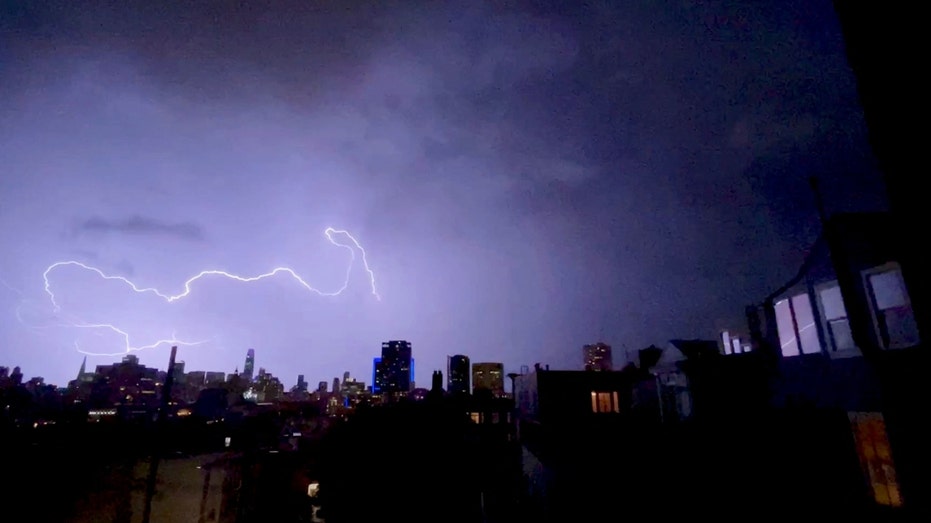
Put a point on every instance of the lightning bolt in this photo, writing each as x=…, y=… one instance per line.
x=129, y=348
x=329, y=232
x=73, y=322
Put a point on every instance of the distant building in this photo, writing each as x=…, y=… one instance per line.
x=488, y=376
x=80, y=386
x=125, y=384
x=17, y=376
x=214, y=379
x=393, y=372
x=457, y=375
x=437, y=381
x=381, y=377
x=378, y=376
x=249, y=368
x=732, y=343
x=597, y=357
x=196, y=378
x=351, y=387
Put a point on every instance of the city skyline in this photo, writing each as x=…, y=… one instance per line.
x=242, y=371
x=524, y=179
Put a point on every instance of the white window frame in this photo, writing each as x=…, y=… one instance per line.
x=826, y=322
x=875, y=311
x=796, y=328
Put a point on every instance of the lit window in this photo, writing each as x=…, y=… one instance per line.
x=476, y=417
x=735, y=345
x=872, y=441
x=894, y=317
x=835, y=315
x=796, y=325
x=605, y=402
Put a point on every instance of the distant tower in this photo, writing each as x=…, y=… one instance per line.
x=513, y=377
x=17, y=376
x=335, y=385
x=83, y=369
x=437, y=381
x=457, y=374
x=178, y=370
x=397, y=366
x=597, y=357
x=488, y=376
x=249, y=369
x=345, y=376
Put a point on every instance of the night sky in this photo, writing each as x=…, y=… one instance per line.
x=524, y=179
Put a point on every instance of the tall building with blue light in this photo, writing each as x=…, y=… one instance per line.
x=393, y=372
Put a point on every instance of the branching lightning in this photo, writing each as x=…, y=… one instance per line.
x=214, y=272
x=187, y=288
x=129, y=348
x=72, y=322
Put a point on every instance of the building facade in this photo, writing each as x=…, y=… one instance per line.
x=597, y=357
x=488, y=376
x=457, y=374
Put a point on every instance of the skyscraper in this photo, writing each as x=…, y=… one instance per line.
x=488, y=376
x=396, y=364
x=249, y=368
x=457, y=374
x=597, y=357
x=378, y=375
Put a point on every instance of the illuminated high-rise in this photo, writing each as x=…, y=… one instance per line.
x=249, y=368
x=393, y=371
x=488, y=376
x=597, y=357
x=457, y=374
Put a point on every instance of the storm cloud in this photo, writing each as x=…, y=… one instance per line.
x=143, y=226
x=525, y=179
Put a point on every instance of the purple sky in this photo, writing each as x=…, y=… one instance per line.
x=524, y=179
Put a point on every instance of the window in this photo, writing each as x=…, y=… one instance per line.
x=735, y=342
x=840, y=337
x=872, y=441
x=605, y=402
x=895, y=320
x=795, y=322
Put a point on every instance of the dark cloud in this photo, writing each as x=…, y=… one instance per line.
x=144, y=226
x=522, y=176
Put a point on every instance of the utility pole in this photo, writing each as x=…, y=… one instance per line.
x=159, y=429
